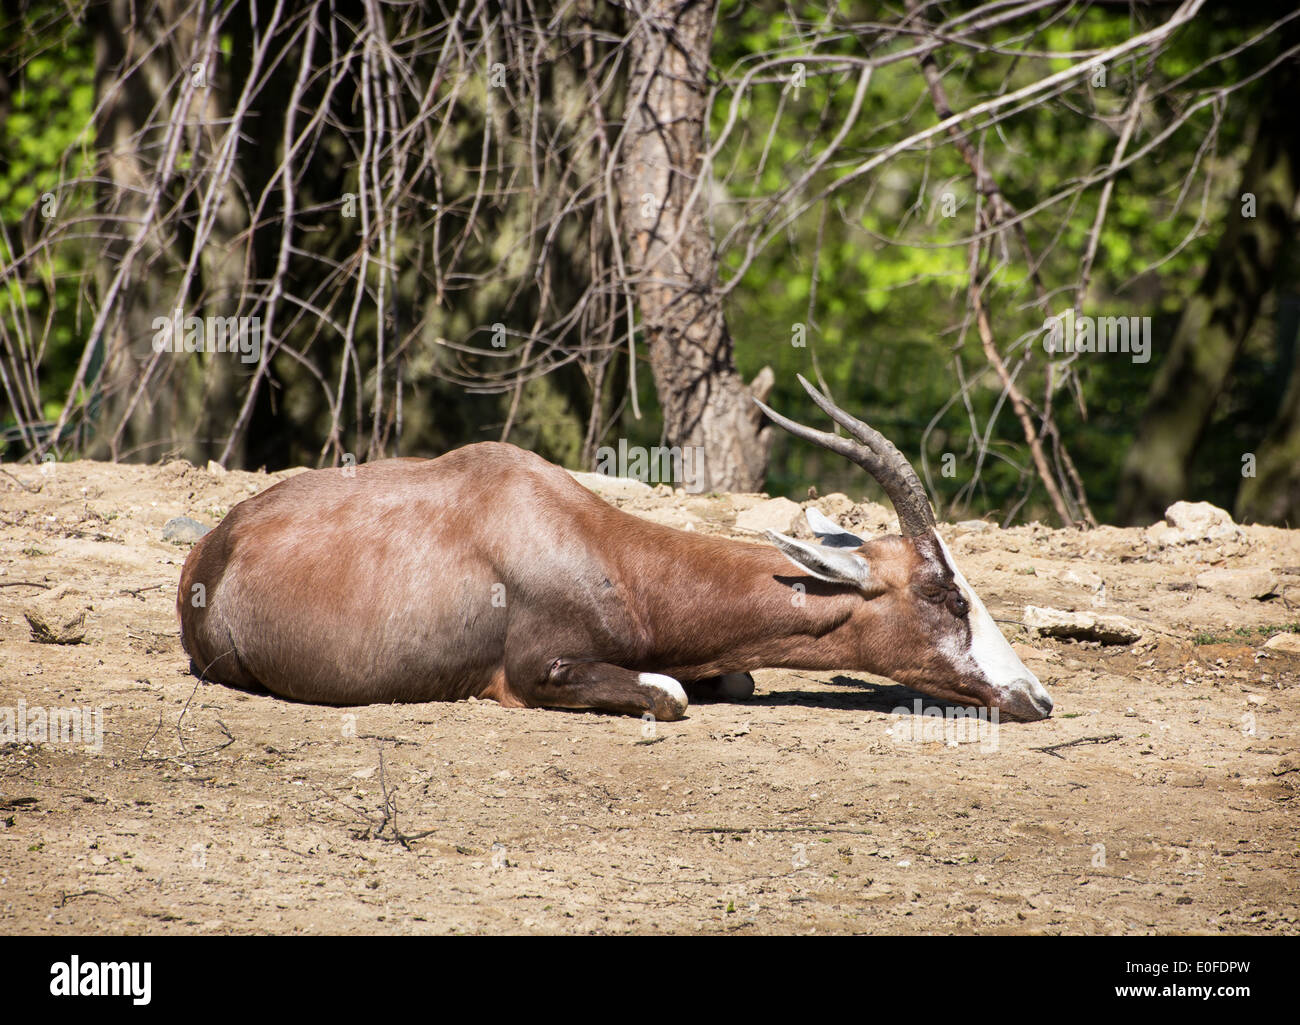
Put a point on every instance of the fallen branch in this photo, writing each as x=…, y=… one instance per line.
x=30, y=491
x=186, y=757
x=65, y=897
x=1052, y=749
x=137, y=591
x=388, y=813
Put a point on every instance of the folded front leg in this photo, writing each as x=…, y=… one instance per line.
x=572, y=683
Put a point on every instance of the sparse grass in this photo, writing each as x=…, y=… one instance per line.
x=1246, y=633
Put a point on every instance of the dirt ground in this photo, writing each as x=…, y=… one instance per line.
x=817, y=806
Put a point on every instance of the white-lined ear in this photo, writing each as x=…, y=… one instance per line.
x=830, y=532
x=830, y=564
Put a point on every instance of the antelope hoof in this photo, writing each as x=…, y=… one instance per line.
x=727, y=687
x=667, y=697
x=736, y=686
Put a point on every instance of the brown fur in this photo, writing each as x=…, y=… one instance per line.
x=377, y=584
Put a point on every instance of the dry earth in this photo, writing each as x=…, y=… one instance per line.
x=815, y=806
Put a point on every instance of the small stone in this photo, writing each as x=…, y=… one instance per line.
x=182, y=528
x=216, y=469
x=1287, y=642
x=1201, y=521
x=1238, y=583
x=56, y=627
x=1081, y=626
x=775, y=514
x=835, y=504
x=1162, y=535
x=1201, y=517
x=1082, y=578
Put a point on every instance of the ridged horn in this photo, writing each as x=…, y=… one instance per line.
x=872, y=451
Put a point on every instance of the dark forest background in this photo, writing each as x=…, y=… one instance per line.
x=565, y=224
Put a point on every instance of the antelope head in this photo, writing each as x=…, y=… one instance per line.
x=929, y=628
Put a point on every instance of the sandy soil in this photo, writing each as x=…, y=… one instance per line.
x=815, y=806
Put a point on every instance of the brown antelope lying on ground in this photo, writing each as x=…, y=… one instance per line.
x=490, y=572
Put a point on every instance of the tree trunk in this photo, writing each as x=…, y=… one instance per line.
x=1241, y=271
x=1272, y=494
x=190, y=398
x=129, y=135
x=706, y=405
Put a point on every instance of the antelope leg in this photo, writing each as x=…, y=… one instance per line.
x=571, y=683
x=727, y=687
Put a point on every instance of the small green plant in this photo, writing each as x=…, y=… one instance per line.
x=1246, y=633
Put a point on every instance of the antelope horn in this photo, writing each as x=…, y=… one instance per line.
x=872, y=451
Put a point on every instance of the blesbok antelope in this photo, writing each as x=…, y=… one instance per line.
x=490, y=572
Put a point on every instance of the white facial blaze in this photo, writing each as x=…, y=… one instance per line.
x=990, y=651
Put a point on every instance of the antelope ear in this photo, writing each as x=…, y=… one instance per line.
x=830, y=532
x=830, y=564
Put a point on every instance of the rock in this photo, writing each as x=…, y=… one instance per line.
x=1238, y=583
x=775, y=514
x=835, y=504
x=1195, y=521
x=216, y=469
x=1162, y=535
x=1082, y=578
x=868, y=518
x=55, y=627
x=613, y=487
x=972, y=526
x=669, y=517
x=182, y=528
x=1288, y=642
x=1081, y=626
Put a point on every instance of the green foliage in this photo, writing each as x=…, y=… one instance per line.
x=873, y=283
x=887, y=329
x=46, y=134
x=1246, y=633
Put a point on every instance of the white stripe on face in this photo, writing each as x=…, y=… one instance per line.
x=991, y=653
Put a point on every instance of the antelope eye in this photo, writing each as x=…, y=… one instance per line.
x=934, y=595
x=959, y=606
